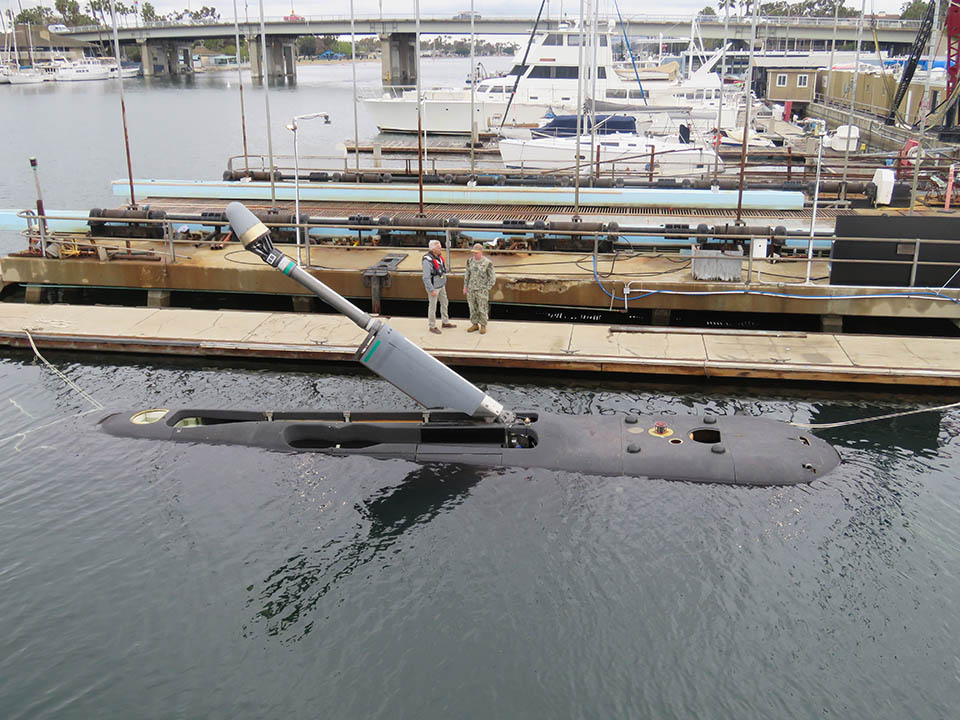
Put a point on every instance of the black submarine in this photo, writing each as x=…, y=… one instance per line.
x=462, y=424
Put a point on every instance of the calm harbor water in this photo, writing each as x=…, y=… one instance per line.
x=156, y=580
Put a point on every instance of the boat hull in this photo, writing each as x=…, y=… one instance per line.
x=26, y=79
x=637, y=156
x=732, y=450
x=450, y=115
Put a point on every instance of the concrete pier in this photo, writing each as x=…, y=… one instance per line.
x=398, y=61
x=281, y=57
x=164, y=58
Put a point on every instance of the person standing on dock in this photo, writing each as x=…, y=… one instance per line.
x=435, y=282
x=478, y=279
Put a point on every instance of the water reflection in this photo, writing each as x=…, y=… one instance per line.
x=292, y=592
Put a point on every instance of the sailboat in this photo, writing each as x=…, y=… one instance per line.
x=24, y=76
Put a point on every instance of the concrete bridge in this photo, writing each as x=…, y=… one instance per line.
x=166, y=45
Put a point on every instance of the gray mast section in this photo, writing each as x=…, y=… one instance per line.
x=385, y=351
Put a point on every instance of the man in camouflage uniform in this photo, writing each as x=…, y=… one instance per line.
x=478, y=278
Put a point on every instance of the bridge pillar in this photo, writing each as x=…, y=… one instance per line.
x=398, y=60
x=182, y=58
x=154, y=58
x=281, y=57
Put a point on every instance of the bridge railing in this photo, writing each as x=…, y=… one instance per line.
x=786, y=21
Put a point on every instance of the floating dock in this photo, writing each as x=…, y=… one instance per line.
x=788, y=356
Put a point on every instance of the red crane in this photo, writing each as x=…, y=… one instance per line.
x=952, y=28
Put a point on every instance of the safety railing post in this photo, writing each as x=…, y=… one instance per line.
x=913, y=266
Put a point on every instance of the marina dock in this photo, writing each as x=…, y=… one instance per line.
x=790, y=356
x=655, y=282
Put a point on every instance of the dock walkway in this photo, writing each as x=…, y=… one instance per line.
x=539, y=346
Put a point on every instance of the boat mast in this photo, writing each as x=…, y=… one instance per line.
x=723, y=74
x=473, y=88
x=13, y=36
x=6, y=40
x=416, y=66
x=243, y=114
x=353, y=70
x=746, y=109
x=266, y=104
x=576, y=179
x=30, y=46
x=853, y=101
x=123, y=104
x=594, y=38
x=833, y=43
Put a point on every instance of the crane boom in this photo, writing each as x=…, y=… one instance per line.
x=916, y=52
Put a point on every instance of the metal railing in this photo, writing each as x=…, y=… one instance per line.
x=788, y=21
x=73, y=244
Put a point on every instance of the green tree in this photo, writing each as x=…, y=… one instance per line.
x=708, y=11
x=913, y=10
x=148, y=13
x=307, y=45
x=99, y=8
x=35, y=16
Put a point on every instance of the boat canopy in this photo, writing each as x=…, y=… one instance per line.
x=566, y=125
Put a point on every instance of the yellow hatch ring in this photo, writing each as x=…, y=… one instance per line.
x=145, y=417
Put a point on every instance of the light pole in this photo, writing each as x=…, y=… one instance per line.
x=292, y=127
x=821, y=134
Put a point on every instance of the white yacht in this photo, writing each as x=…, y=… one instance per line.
x=548, y=82
x=49, y=68
x=26, y=76
x=127, y=70
x=628, y=151
x=83, y=69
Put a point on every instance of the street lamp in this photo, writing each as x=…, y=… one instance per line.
x=292, y=127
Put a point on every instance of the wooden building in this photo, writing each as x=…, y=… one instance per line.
x=876, y=90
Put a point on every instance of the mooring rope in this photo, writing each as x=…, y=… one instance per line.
x=86, y=396
x=97, y=405
x=824, y=426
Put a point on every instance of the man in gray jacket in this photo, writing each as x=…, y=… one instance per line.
x=435, y=283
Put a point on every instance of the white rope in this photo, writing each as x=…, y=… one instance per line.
x=823, y=426
x=96, y=403
x=22, y=435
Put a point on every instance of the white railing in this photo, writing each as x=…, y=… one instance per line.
x=629, y=20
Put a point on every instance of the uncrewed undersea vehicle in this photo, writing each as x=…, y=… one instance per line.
x=462, y=424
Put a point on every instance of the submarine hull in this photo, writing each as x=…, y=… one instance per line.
x=733, y=450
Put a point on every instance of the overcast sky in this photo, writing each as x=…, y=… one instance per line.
x=444, y=7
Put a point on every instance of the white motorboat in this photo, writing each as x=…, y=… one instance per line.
x=548, y=81
x=49, y=68
x=127, y=70
x=630, y=152
x=84, y=69
x=28, y=76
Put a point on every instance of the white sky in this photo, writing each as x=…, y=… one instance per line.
x=443, y=7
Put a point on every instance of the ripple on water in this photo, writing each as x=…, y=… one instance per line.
x=178, y=580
